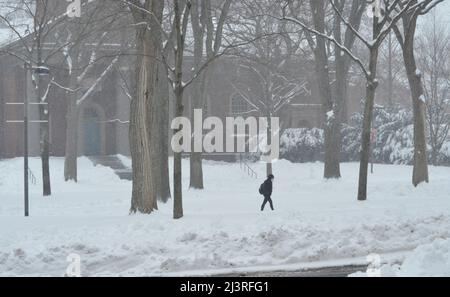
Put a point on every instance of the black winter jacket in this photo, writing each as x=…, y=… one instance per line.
x=267, y=187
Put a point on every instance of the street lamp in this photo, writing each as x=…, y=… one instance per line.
x=39, y=70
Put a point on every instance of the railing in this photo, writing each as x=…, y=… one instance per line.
x=247, y=169
x=31, y=177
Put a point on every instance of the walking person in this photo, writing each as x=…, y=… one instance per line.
x=266, y=190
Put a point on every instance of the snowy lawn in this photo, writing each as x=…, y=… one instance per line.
x=223, y=228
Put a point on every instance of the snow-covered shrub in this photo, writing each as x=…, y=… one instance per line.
x=302, y=145
x=394, y=142
x=351, y=139
x=394, y=136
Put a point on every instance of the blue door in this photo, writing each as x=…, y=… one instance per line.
x=91, y=134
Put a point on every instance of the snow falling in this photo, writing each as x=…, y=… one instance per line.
x=184, y=138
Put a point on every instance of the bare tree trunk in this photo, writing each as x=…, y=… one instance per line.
x=163, y=116
x=180, y=29
x=196, y=168
x=331, y=127
x=333, y=132
x=154, y=143
x=143, y=194
x=177, y=168
x=196, y=158
x=332, y=149
x=202, y=23
x=434, y=155
x=340, y=115
x=344, y=107
x=420, y=171
x=343, y=62
x=40, y=18
x=71, y=155
x=45, y=156
x=372, y=85
x=44, y=135
x=196, y=171
x=157, y=110
x=72, y=120
x=390, y=70
x=341, y=98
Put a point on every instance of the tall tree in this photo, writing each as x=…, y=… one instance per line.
x=268, y=81
x=158, y=113
x=198, y=87
x=180, y=22
x=174, y=63
x=391, y=71
x=158, y=110
x=147, y=16
x=355, y=10
x=382, y=24
x=333, y=95
x=162, y=127
x=83, y=47
x=406, y=37
x=330, y=106
x=207, y=43
x=433, y=60
x=33, y=24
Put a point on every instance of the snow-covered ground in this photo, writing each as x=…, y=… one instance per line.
x=223, y=228
x=429, y=260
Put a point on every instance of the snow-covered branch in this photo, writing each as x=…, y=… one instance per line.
x=329, y=38
x=98, y=81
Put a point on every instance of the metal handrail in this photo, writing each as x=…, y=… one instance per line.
x=32, y=177
x=247, y=169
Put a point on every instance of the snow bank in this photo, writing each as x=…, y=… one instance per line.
x=430, y=260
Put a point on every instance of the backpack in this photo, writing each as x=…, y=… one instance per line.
x=261, y=189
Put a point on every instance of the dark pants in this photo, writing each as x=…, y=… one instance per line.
x=267, y=199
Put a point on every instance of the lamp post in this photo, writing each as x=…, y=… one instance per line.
x=40, y=70
x=25, y=151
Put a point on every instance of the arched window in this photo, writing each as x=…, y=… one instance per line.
x=239, y=106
